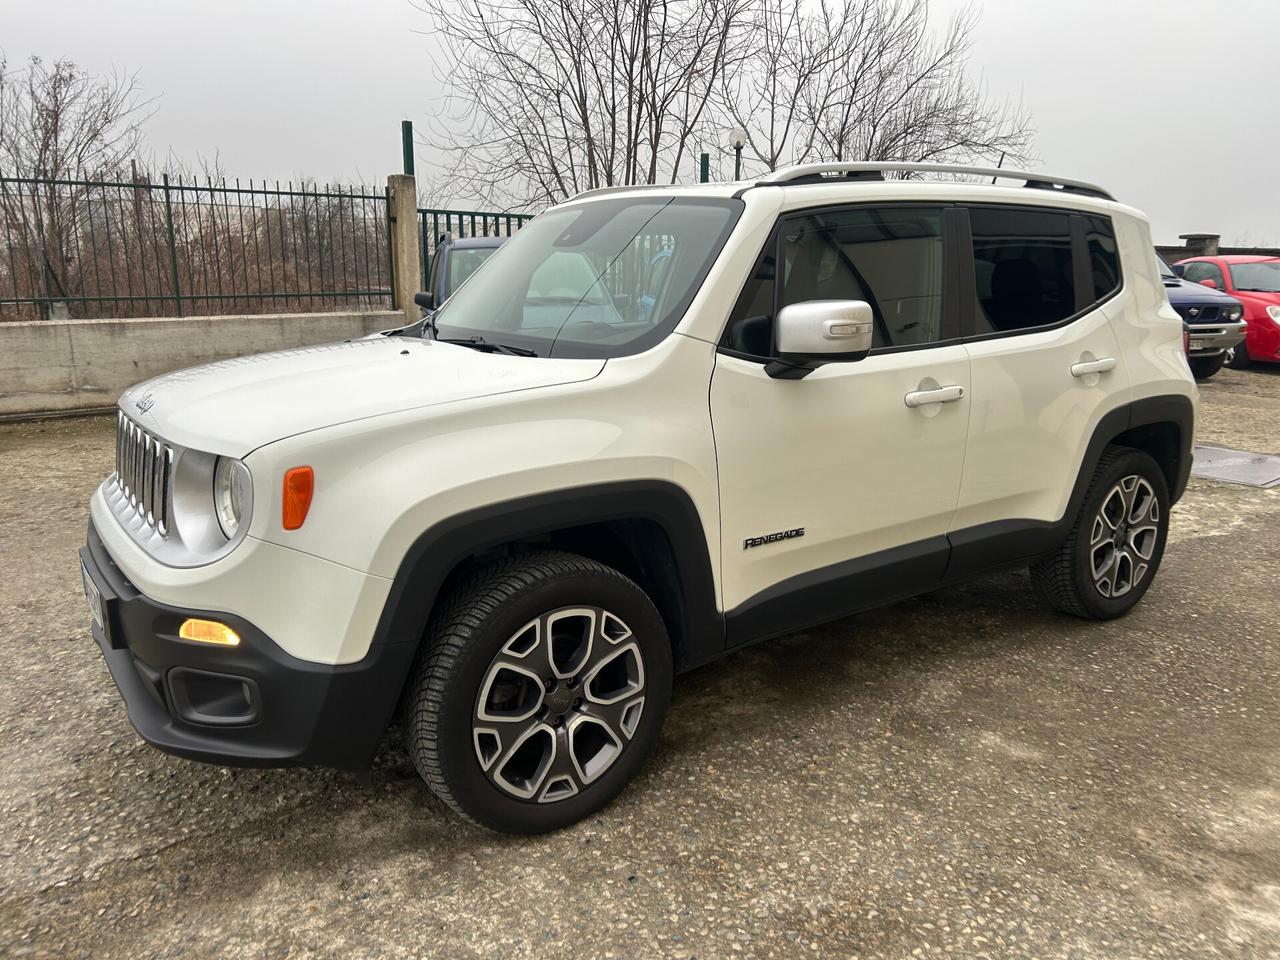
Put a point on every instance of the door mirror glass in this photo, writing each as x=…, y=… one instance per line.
x=814, y=332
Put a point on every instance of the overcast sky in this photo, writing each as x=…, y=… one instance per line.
x=1168, y=103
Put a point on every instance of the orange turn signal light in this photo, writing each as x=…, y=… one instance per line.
x=209, y=631
x=299, y=484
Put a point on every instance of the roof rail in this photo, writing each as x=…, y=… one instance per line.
x=623, y=188
x=836, y=172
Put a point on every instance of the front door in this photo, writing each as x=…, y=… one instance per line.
x=835, y=492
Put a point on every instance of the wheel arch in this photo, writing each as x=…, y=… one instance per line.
x=1162, y=427
x=649, y=529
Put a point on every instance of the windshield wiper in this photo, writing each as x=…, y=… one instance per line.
x=484, y=346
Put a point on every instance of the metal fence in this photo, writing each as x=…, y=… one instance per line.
x=93, y=248
x=433, y=225
x=103, y=248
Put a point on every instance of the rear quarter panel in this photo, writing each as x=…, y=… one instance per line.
x=1148, y=329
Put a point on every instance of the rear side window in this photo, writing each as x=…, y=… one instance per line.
x=1022, y=268
x=1104, y=260
x=890, y=257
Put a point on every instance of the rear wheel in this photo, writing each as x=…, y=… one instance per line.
x=1202, y=368
x=1113, y=551
x=543, y=688
x=1237, y=357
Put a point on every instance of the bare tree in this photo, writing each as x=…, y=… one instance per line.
x=550, y=97
x=567, y=95
x=898, y=91
x=59, y=123
x=864, y=80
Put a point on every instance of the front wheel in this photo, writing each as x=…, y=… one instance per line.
x=544, y=685
x=1202, y=368
x=1115, y=545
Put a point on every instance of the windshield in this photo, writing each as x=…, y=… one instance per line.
x=1263, y=277
x=463, y=263
x=1166, y=271
x=600, y=279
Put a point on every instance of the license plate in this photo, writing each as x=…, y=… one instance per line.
x=94, y=597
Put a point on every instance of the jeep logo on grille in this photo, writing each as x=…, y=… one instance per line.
x=750, y=542
x=145, y=403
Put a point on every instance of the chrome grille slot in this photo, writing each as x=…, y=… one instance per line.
x=144, y=468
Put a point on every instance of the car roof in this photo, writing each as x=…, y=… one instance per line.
x=1246, y=258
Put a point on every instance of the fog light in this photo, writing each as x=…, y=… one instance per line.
x=209, y=631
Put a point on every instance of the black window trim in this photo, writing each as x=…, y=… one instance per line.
x=1081, y=269
x=953, y=321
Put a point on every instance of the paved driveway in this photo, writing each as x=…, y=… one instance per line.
x=962, y=774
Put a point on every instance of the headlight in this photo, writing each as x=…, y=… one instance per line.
x=232, y=495
x=1234, y=313
x=1274, y=313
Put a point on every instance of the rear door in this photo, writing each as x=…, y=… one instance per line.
x=1045, y=366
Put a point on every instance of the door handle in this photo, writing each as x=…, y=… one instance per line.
x=919, y=398
x=1103, y=365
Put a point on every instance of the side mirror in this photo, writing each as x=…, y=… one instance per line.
x=815, y=332
x=1211, y=284
x=425, y=299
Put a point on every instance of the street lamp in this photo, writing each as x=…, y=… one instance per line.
x=737, y=139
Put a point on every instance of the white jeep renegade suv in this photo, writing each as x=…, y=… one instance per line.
x=658, y=425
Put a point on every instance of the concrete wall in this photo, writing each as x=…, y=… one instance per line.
x=1209, y=245
x=72, y=365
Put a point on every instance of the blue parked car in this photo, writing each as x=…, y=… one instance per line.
x=1213, y=321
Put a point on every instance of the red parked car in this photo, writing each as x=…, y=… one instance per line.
x=1255, y=282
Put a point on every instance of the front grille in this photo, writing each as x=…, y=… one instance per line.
x=144, y=472
x=1199, y=314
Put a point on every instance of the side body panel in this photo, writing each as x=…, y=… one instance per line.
x=1147, y=328
x=839, y=454
x=1030, y=419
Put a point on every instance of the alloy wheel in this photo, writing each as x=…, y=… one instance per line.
x=559, y=704
x=1124, y=536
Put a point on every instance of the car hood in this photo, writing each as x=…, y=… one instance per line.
x=1187, y=292
x=232, y=407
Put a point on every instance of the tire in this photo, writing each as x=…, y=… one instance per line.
x=1237, y=357
x=1066, y=579
x=542, y=689
x=1202, y=368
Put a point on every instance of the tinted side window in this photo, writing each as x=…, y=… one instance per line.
x=1103, y=258
x=1023, y=269
x=891, y=257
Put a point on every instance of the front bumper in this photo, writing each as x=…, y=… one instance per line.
x=1210, y=339
x=250, y=705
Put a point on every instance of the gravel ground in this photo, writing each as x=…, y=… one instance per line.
x=963, y=774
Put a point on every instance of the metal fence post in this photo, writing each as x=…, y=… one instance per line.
x=406, y=257
x=173, y=247
x=406, y=145
x=704, y=168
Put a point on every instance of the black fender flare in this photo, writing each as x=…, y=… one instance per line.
x=439, y=549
